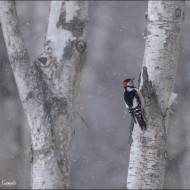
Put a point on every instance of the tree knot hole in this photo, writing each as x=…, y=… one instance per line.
x=177, y=13
x=81, y=46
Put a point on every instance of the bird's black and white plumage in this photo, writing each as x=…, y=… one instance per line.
x=134, y=102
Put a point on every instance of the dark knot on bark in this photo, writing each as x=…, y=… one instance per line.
x=81, y=46
x=177, y=13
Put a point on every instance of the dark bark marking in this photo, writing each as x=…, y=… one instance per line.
x=31, y=155
x=177, y=13
x=30, y=95
x=81, y=46
x=59, y=105
x=149, y=94
x=68, y=50
x=146, y=15
x=183, y=16
x=43, y=60
x=148, y=90
x=75, y=26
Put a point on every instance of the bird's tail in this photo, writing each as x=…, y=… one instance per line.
x=141, y=121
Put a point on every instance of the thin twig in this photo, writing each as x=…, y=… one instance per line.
x=83, y=120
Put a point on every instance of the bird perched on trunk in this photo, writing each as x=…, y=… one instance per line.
x=134, y=102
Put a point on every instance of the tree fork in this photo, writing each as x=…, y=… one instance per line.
x=48, y=86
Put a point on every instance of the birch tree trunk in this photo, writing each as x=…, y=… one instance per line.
x=48, y=86
x=148, y=150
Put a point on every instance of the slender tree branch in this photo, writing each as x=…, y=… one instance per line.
x=82, y=119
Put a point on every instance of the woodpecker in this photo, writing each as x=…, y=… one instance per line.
x=134, y=102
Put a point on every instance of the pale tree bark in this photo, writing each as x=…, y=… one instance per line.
x=48, y=86
x=148, y=151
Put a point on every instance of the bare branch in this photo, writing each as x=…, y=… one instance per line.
x=82, y=119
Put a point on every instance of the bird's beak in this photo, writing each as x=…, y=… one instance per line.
x=133, y=79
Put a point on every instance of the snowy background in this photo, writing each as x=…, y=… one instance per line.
x=101, y=148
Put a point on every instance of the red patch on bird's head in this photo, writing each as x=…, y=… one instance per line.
x=125, y=84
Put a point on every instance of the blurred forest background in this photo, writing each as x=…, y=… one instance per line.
x=101, y=148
